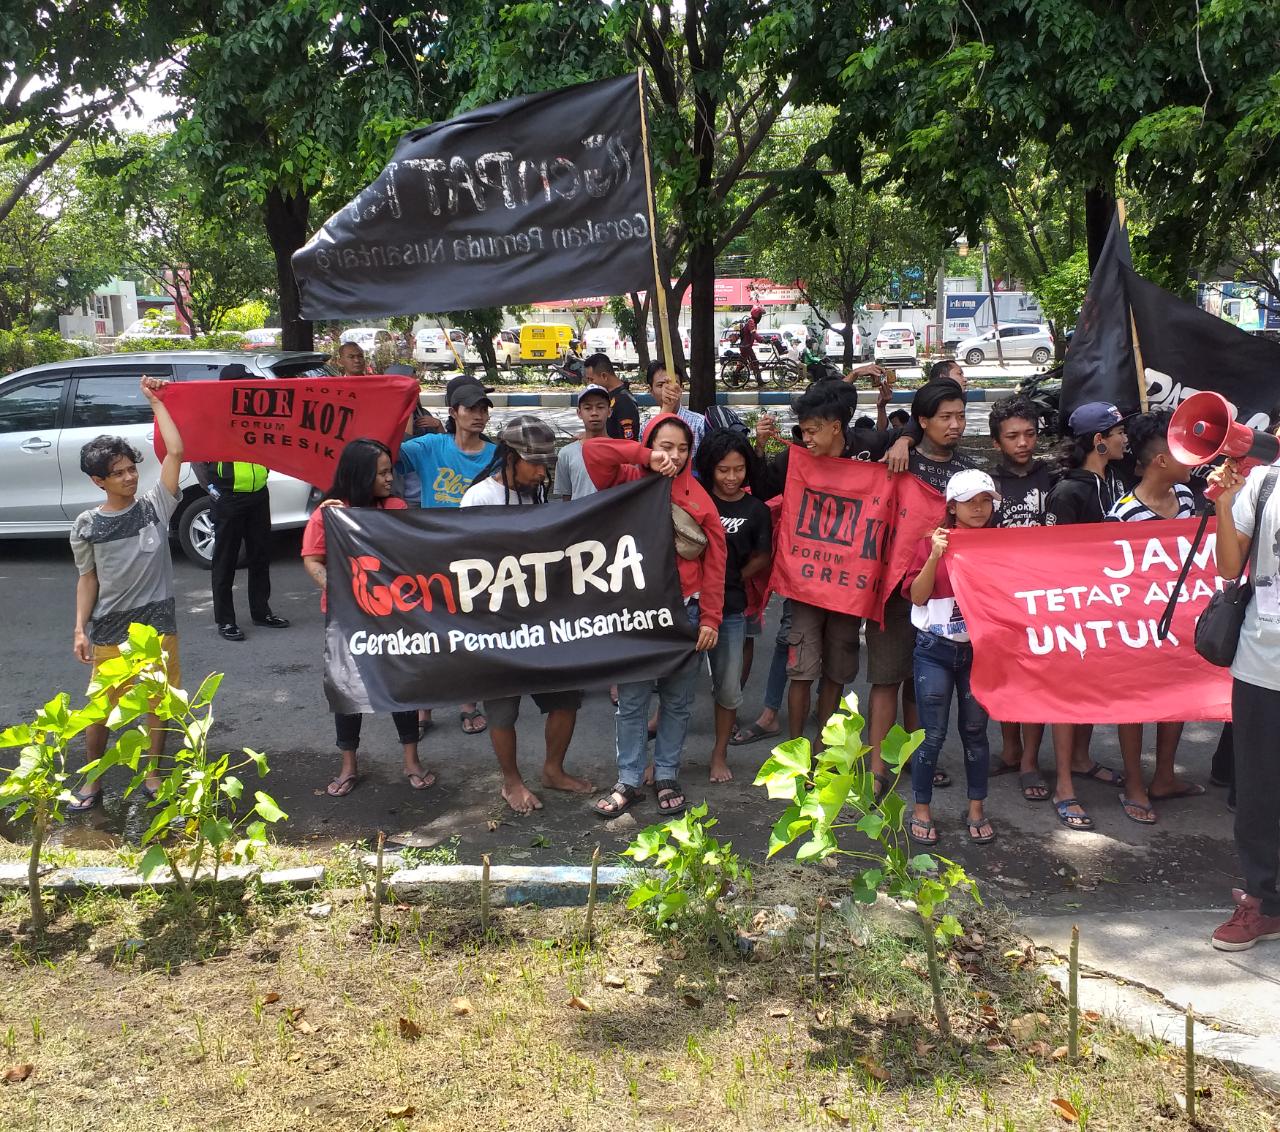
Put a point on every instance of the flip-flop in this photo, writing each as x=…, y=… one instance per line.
x=999, y=767
x=1096, y=772
x=1080, y=823
x=977, y=838
x=424, y=725
x=928, y=827
x=753, y=733
x=1191, y=790
x=884, y=784
x=424, y=781
x=83, y=803
x=1148, y=812
x=344, y=786
x=1033, y=781
x=631, y=796
x=470, y=717
x=941, y=779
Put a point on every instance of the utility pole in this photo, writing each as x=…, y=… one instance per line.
x=991, y=294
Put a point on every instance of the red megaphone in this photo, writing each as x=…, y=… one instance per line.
x=1204, y=427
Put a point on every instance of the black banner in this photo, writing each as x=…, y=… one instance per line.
x=1186, y=350
x=433, y=608
x=541, y=197
x=1099, y=364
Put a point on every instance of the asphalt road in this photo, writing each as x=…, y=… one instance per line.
x=271, y=699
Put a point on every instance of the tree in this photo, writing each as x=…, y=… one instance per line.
x=296, y=102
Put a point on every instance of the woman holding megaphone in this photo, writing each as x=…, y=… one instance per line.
x=1248, y=513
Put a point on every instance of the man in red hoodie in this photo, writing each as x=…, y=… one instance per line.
x=700, y=559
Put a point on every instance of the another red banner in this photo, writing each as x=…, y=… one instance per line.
x=847, y=532
x=1063, y=622
x=297, y=426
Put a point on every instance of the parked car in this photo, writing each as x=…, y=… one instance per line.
x=369, y=338
x=49, y=412
x=896, y=342
x=506, y=346
x=609, y=340
x=833, y=343
x=431, y=349
x=266, y=338
x=1019, y=341
x=151, y=326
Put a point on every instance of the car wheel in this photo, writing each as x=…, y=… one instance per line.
x=195, y=531
x=974, y=358
x=1040, y=356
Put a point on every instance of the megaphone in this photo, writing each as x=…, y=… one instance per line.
x=1204, y=427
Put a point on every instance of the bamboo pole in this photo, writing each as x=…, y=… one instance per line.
x=1073, y=998
x=591, y=893
x=1141, y=371
x=484, y=894
x=377, y=883
x=659, y=284
x=1190, y=1054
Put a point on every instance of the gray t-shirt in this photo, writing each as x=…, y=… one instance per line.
x=129, y=550
x=1258, y=655
x=571, y=480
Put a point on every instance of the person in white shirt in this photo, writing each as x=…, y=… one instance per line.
x=570, y=480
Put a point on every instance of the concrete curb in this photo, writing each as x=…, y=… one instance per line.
x=550, y=886
x=117, y=879
x=739, y=399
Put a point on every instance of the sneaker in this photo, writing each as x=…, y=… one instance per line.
x=1246, y=927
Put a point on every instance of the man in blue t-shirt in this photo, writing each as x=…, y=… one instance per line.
x=447, y=463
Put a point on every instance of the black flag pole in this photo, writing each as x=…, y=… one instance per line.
x=1141, y=373
x=660, y=287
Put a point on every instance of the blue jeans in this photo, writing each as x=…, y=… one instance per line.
x=631, y=720
x=726, y=662
x=776, y=685
x=942, y=667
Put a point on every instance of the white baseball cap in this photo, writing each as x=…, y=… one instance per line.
x=964, y=485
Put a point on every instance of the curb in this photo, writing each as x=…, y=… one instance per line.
x=548, y=886
x=736, y=398
x=108, y=877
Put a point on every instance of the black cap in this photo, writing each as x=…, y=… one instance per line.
x=462, y=379
x=468, y=395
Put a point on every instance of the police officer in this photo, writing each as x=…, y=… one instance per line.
x=241, y=514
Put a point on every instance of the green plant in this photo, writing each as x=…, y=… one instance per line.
x=819, y=790
x=37, y=785
x=698, y=874
x=197, y=811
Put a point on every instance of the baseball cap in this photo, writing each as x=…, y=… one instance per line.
x=530, y=439
x=598, y=390
x=1094, y=416
x=964, y=485
x=463, y=379
x=468, y=394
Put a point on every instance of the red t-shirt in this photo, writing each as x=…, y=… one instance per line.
x=313, y=537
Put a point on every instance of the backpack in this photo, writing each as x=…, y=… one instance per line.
x=721, y=416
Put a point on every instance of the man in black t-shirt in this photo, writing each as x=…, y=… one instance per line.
x=624, y=414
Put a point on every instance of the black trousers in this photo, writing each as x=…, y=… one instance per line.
x=347, y=728
x=241, y=519
x=1255, y=714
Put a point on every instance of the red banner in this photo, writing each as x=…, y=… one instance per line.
x=297, y=426
x=1063, y=621
x=847, y=532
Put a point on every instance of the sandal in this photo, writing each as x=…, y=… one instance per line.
x=424, y=725
x=940, y=779
x=753, y=733
x=884, y=783
x=1082, y=822
x=976, y=836
x=667, y=788
x=928, y=834
x=1034, y=788
x=606, y=807
x=1190, y=790
x=83, y=803
x=470, y=717
x=341, y=787
x=421, y=780
x=999, y=767
x=1137, y=812
x=1097, y=771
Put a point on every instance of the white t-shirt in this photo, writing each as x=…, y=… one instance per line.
x=1258, y=655
x=491, y=493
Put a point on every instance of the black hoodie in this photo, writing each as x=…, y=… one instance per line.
x=1082, y=497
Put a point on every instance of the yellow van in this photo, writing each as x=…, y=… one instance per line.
x=544, y=341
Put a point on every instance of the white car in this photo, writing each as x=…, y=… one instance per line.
x=49, y=412
x=430, y=347
x=265, y=338
x=152, y=327
x=896, y=342
x=368, y=338
x=833, y=343
x=1019, y=342
x=609, y=340
x=506, y=346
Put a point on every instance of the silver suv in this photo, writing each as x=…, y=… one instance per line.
x=48, y=413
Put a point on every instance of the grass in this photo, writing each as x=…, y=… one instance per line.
x=282, y=1017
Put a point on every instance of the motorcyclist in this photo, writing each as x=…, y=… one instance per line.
x=748, y=336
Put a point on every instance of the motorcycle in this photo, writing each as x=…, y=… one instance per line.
x=1044, y=390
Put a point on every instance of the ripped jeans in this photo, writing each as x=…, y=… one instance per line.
x=942, y=668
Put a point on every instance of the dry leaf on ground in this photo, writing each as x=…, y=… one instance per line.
x=409, y=1029
x=270, y=997
x=16, y=1073
x=615, y=982
x=1065, y=1109
x=460, y=1006
x=874, y=1068
x=582, y=1004
x=405, y=1110
x=691, y=1000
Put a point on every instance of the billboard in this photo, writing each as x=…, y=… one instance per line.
x=966, y=313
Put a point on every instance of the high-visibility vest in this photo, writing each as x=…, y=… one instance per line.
x=244, y=477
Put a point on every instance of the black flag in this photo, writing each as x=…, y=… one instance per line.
x=436, y=607
x=541, y=197
x=1186, y=350
x=1099, y=365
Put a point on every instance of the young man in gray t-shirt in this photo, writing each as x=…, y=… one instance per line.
x=121, y=549
x=570, y=480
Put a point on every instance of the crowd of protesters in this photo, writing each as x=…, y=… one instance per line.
x=1109, y=469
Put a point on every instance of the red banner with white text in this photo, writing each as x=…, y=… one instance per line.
x=847, y=532
x=1063, y=622
x=296, y=426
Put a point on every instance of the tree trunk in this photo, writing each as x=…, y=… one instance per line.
x=846, y=352
x=286, y=223
x=38, y=827
x=488, y=355
x=640, y=336
x=1099, y=208
x=702, y=329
